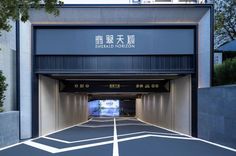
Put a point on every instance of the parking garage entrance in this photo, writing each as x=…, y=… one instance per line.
x=147, y=72
x=65, y=101
x=115, y=97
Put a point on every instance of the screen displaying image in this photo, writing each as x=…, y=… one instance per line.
x=104, y=108
x=109, y=107
x=113, y=104
x=94, y=108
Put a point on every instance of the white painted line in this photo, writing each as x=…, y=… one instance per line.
x=98, y=126
x=41, y=146
x=172, y=137
x=102, y=120
x=85, y=146
x=115, y=149
x=67, y=128
x=115, y=142
x=102, y=117
x=117, y=119
x=57, y=150
x=127, y=124
x=164, y=128
x=134, y=138
x=212, y=143
x=218, y=145
x=71, y=142
x=107, y=137
x=151, y=135
x=10, y=146
x=148, y=132
x=42, y=136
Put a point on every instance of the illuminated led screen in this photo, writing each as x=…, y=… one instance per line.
x=104, y=108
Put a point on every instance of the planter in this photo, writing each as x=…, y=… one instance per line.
x=9, y=128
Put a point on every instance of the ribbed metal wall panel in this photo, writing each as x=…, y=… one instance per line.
x=115, y=64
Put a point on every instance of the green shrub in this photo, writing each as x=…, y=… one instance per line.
x=3, y=88
x=225, y=73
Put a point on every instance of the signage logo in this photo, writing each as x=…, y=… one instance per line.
x=115, y=41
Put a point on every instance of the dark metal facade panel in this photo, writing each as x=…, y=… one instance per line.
x=115, y=86
x=115, y=64
x=104, y=40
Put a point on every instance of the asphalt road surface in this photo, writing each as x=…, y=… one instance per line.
x=116, y=137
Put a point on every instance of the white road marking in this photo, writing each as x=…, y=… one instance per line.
x=10, y=146
x=115, y=142
x=158, y=136
x=107, y=137
x=147, y=132
x=218, y=145
x=71, y=142
x=98, y=126
x=85, y=146
x=103, y=117
x=57, y=150
x=164, y=128
x=65, y=128
x=42, y=146
x=212, y=143
x=117, y=119
x=43, y=135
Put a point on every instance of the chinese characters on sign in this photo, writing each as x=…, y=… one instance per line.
x=115, y=85
x=147, y=86
x=115, y=41
x=81, y=86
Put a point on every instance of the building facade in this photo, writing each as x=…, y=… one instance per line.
x=8, y=65
x=146, y=45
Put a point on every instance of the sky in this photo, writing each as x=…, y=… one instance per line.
x=96, y=1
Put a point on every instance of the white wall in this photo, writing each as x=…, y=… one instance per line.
x=170, y=110
x=155, y=108
x=8, y=65
x=59, y=110
x=25, y=81
x=72, y=109
x=48, y=105
x=204, y=51
x=181, y=98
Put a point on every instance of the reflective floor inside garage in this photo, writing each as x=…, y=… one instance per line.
x=116, y=136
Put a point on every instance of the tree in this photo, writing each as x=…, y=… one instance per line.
x=225, y=21
x=3, y=87
x=225, y=73
x=19, y=10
